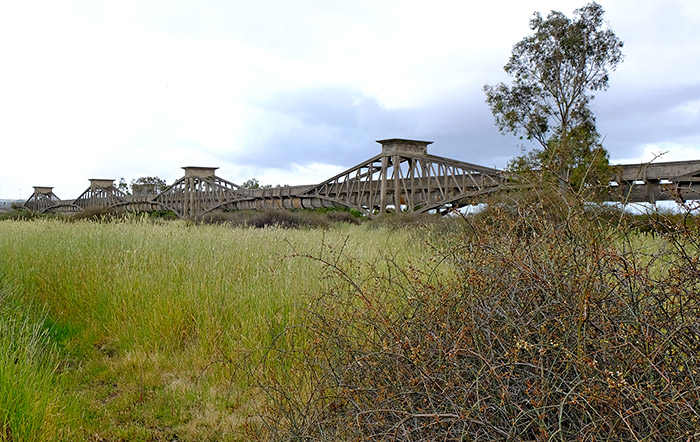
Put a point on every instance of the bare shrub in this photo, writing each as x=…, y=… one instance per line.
x=555, y=324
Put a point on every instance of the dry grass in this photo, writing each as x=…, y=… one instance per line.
x=153, y=323
x=541, y=319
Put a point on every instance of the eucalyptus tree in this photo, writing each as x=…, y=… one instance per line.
x=554, y=72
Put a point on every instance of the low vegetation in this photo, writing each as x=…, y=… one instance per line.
x=282, y=218
x=32, y=405
x=151, y=323
x=545, y=319
x=559, y=322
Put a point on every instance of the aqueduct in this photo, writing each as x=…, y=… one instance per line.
x=402, y=175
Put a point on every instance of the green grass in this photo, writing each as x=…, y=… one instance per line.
x=134, y=330
x=146, y=328
x=32, y=406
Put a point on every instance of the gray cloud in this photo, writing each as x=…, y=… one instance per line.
x=632, y=118
x=331, y=125
x=257, y=86
x=338, y=125
x=335, y=125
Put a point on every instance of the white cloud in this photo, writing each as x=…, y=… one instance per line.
x=662, y=152
x=123, y=88
x=692, y=108
x=311, y=173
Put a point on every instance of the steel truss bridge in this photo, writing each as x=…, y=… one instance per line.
x=403, y=176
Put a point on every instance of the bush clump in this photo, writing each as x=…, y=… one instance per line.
x=281, y=218
x=554, y=324
x=20, y=213
x=98, y=214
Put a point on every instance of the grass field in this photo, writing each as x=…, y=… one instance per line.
x=135, y=331
x=536, y=320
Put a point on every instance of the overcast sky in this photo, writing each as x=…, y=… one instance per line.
x=294, y=91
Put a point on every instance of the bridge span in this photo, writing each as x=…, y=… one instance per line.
x=403, y=175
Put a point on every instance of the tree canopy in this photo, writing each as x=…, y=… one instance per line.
x=123, y=186
x=554, y=71
x=148, y=185
x=253, y=183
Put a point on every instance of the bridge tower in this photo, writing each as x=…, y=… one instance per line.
x=101, y=194
x=42, y=200
x=199, y=191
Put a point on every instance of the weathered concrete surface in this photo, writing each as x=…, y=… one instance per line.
x=200, y=172
x=687, y=171
x=101, y=183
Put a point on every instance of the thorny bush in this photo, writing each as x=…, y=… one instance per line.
x=555, y=324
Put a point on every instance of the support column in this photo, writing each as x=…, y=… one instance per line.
x=394, y=149
x=383, y=187
x=193, y=174
x=396, y=162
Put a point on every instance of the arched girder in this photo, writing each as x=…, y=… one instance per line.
x=286, y=202
x=458, y=200
x=63, y=207
x=141, y=203
x=337, y=202
x=229, y=204
x=49, y=209
x=122, y=204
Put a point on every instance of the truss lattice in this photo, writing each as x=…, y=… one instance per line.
x=403, y=177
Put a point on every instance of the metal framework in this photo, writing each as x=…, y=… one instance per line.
x=101, y=194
